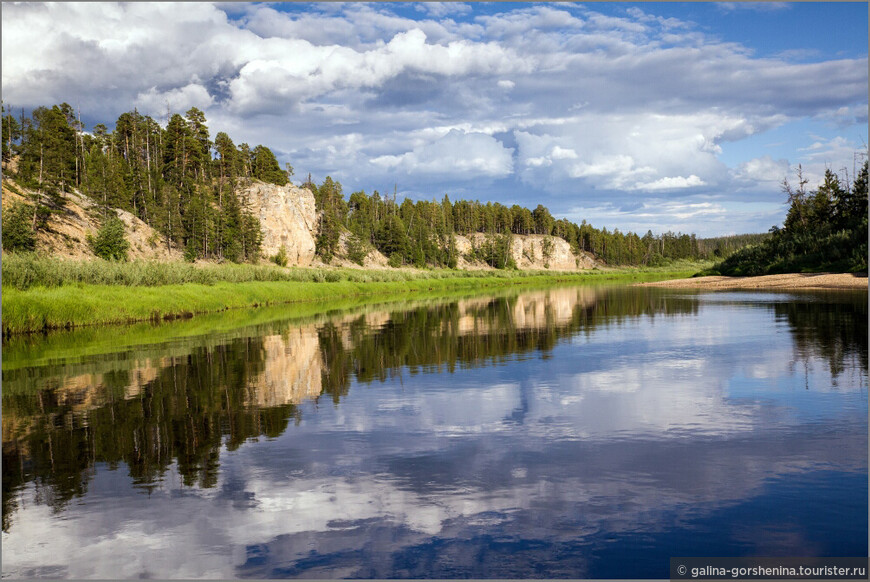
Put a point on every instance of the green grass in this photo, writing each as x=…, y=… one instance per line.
x=161, y=339
x=25, y=270
x=45, y=293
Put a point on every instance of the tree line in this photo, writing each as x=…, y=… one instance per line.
x=422, y=232
x=187, y=187
x=825, y=230
x=176, y=179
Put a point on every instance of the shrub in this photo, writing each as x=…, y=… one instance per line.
x=110, y=243
x=547, y=248
x=17, y=232
x=280, y=258
x=154, y=239
x=356, y=250
x=191, y=251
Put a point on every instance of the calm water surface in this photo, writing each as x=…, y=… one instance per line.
x=572, y=432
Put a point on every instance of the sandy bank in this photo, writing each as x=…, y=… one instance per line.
x=787, y=281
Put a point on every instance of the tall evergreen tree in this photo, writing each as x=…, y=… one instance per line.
x=200, y=157
x=265, y=167
x=11, y=133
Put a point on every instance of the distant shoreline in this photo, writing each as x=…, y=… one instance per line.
x=789, y=281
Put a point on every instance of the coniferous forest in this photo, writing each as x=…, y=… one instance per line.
x=187, y=186
x=825, y=230
x=176, y=179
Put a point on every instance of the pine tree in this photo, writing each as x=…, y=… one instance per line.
x=265, y=167
x=200, y=156
x=111, y=243
x=331, y=210
x=18, y=234
x=11, y=133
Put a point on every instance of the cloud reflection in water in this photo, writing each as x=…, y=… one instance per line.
x=596, y=421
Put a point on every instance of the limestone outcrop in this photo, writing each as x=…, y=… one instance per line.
x=529, y=252
x=536, y=251
x=287, y=217
x=464, y=248
x=372, y=260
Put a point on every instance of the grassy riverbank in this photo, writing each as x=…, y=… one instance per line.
x=43, y=293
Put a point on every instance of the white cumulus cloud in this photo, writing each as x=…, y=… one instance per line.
x=459, y=154
x=557, y=100
x=178, y=100
x=671, y=183
x=763, y=169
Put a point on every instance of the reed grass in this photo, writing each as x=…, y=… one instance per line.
x=43, y=293
x=25, y=270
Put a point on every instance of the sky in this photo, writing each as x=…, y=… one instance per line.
x=662, y=116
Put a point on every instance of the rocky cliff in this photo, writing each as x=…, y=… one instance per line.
x=287, y=216
x=550, y=252
x=529, y=252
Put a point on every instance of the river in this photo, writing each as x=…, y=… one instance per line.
x=571, y=432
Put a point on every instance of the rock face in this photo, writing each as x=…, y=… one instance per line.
x=287, y=217
x=463, y=248
x=68, y=229
x=528, y=252
x=372, y=260
x=145, y=242
x=536, y=251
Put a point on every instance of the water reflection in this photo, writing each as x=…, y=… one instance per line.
x=511, y=436
x=833, y=329
x=58, y=420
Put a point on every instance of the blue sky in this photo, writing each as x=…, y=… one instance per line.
x=662, y=116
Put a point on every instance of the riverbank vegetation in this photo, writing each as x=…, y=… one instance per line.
x=42, y=308
x=825, y=230
x=44, y=349
x=42, y=294
x=23, y=271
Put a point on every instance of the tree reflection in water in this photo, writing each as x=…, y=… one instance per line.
x=151, y=412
